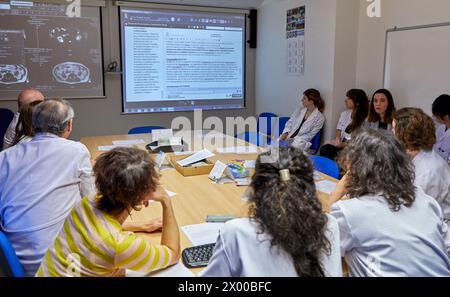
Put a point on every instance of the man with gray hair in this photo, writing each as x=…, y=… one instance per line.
x=25, y=97
x=40, y=182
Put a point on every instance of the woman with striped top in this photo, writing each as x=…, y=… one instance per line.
x=95, y=241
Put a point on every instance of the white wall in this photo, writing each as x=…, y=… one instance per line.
x=372, y=31
x=330, y=57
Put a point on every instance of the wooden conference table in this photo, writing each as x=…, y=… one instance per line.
x=196, y=196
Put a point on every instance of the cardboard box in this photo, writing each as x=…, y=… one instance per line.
x=190, y=171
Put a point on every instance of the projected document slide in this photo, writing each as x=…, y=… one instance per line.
x=182, y=60
x=42, y=48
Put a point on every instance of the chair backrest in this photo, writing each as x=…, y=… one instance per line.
x=254, y=138
x=266, y=119
x=315, y=142
x=144, y=129
x=6, y=117
x=325, y=165
x=282, y=123
x=9, y=263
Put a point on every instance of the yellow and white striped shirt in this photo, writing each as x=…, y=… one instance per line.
x=92, y=243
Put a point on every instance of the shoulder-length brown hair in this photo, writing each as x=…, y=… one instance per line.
x=123, y=177
x=374, y=116
x=415, y=129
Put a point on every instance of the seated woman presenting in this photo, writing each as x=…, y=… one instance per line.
x=350, y=120
x=287, y=233
x=387, y=226
x=306, y=121
x=416, y=131
x=381, y=111
x=95, y=241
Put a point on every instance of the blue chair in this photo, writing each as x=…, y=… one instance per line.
x=9, y=263
x=6, y=117
x=144, y=129
x=266, y=119
x=315, y=142
x=325, y=165
x=254, y=138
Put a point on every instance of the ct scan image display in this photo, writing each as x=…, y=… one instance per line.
x=41, y=47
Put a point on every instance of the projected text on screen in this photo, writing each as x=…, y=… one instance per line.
x=182, y=60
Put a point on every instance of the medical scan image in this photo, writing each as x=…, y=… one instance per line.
x=66, y=36
x=71, y=73
x=13, y=74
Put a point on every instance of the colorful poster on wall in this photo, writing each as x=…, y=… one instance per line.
x=295, y=35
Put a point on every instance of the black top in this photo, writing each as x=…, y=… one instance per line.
x=298, y=130
x=382, y=125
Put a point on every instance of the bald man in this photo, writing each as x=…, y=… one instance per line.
x=25, y=97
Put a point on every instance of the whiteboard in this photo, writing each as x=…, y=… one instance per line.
x=417, y=65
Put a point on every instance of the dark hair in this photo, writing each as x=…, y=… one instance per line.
x=378, y=164
x=441, y=106
x=415, y=129
x=123, y=177
x=24, y=125
x=314, y=95
x=289, y=210
x=361, y=109
x=374, y=116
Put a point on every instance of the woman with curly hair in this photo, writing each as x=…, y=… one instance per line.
x=287, y=233
x=350, y=120
x=96, y=240
x=388, y=227
x=416, y=131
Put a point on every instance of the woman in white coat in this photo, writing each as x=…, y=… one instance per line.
x=287, y=233
x=306, y=121
x=388, y=227
x=441, y=111
x=416, y=131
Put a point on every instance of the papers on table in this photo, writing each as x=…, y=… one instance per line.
x=120, y=143
x=317, y=175
x=204, y=233
x=128, y=142
x=178, y=270
x=325, y=186
x=170, y=193
x=197, y=157
x=106, y=148
x=238, y=150
x=217, y=171
x=249, y=164
x=184, y=153
x=158, y=134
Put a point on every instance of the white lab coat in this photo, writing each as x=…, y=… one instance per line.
x=309, y=129
x=40, y=181
x=442, y=146
x=377, y=241
x=433, y=176
x=241, y=252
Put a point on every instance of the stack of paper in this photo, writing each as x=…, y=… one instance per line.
x=238, y=150
x=128, y=142
x=204, y=233
x=325, y=186
x=178, y=270
x=197, y=157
